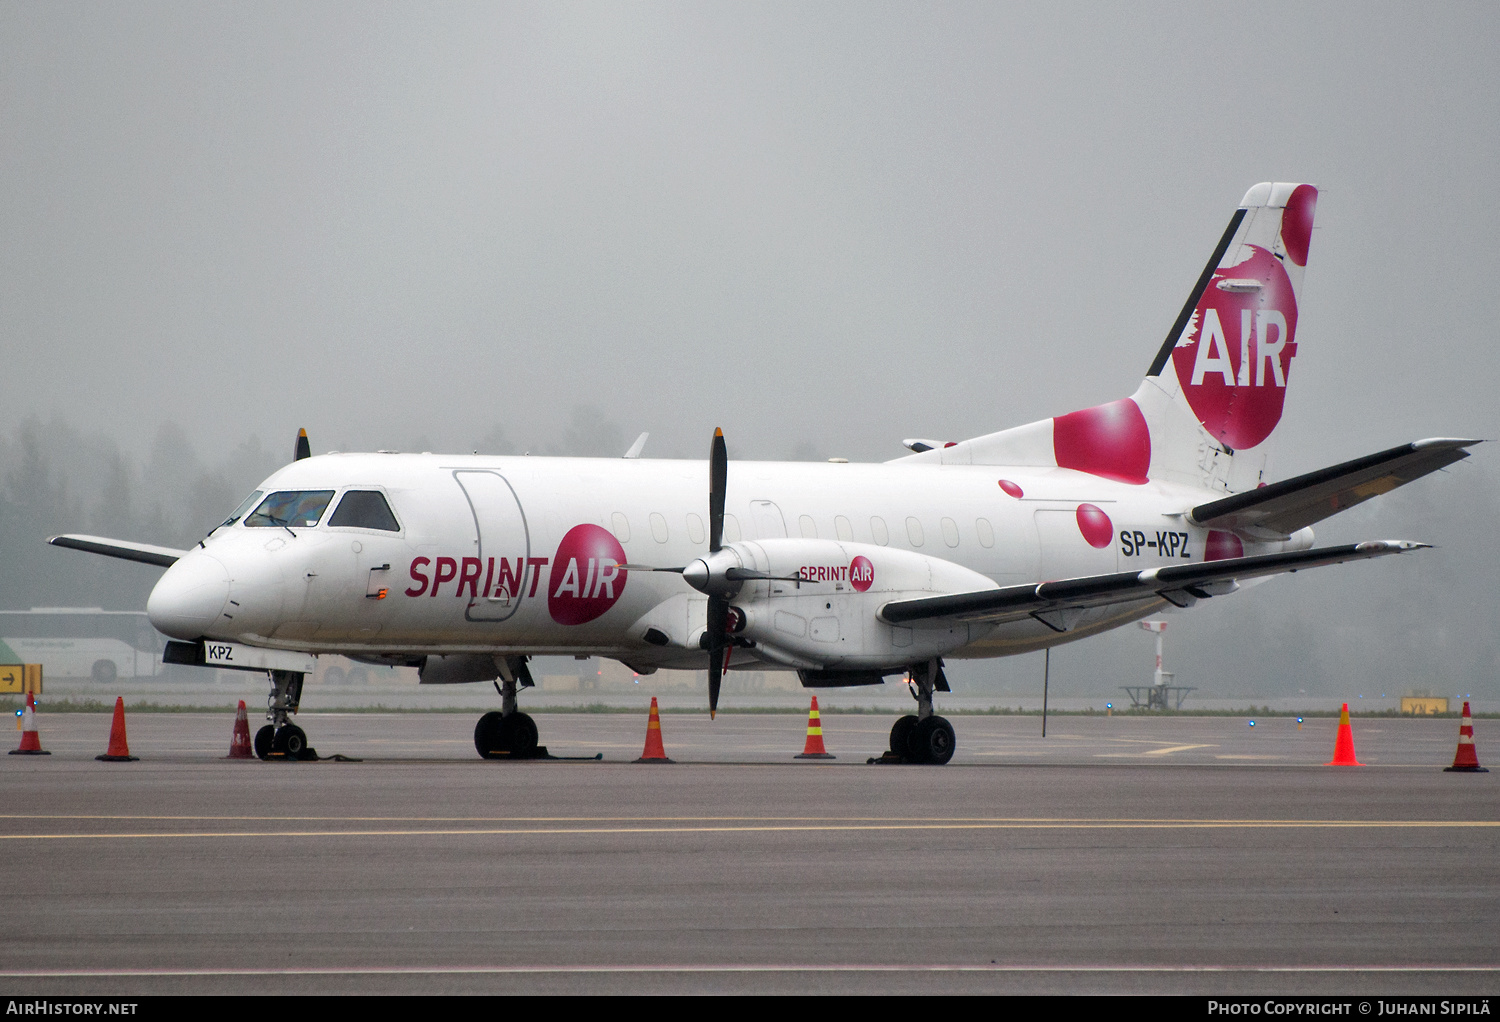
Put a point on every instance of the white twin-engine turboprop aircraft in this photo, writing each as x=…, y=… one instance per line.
x=847, y=574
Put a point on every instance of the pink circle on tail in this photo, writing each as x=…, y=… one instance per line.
x=1236, y=355
x=1095, y=525
x=1110, y=440
x=1297, y=222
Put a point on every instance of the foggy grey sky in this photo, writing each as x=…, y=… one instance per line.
x=836, y=224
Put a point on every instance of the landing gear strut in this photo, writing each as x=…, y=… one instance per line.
x=924, y=737
x=509, y=733
x=282, y=739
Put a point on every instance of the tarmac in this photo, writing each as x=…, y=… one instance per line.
x=1118, y=854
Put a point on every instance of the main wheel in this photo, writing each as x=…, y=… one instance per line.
x=518, y=734
x=933, y=741
x=263, y=741
x=487, y=735
x=291, y=741
x=901, y=735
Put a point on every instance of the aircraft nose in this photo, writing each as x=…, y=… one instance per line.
x=190, y=597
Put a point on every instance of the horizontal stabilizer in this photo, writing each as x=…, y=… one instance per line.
x=1282, y=508
x=1180, y=584
x=145, y=553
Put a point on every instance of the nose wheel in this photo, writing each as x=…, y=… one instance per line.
x=282, y=739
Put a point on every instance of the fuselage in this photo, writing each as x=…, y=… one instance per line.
x=524, y=555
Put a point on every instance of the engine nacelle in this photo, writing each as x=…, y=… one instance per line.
x=827, y=619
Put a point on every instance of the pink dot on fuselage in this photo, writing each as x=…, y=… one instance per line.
x=1095, y=525
x=1012, y=489
x=1221, y=546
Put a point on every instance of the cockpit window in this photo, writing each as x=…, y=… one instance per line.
x=300, y=508
x=239, y=512
x=364, y=509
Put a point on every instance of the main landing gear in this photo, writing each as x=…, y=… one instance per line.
x=924, y=737
x=509, y=733
x=282, y=739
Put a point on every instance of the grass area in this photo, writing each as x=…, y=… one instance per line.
x=12, y=705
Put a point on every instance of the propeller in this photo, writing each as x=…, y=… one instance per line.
x=717, y=624
x=717, y=574
x=303, y=448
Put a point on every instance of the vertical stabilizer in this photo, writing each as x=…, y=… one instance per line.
x=1215, y=392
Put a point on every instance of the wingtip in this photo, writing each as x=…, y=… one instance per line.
x=1393, y=546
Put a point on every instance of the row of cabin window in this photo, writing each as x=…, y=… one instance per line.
x=809, y=529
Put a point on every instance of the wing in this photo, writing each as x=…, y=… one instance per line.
x=1054, y=603
x=161, y=556
x=1283, y=508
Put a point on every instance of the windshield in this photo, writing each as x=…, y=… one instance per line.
x=364, y=509
x=301, y=508
x=245, y=505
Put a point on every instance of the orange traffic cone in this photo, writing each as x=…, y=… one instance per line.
x=1343, y=745
x=119, y=749
x=1465, y=760
x=31, y=742
x=239, y=744
x=654, y=753
x=814, y=747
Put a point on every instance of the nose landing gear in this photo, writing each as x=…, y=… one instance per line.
x=508, y=733
x=282, y=739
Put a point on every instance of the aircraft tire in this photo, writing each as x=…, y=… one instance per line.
x=518, y=733
x=933, y=741
x=901, y=735
x=263, y=740
x=291, y=741
x=487, y=735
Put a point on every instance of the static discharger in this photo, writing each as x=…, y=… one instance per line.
x=654, y=753
x=814, y=748
x=119, y=748
x=31, y=741
x=1343, y=745
x=1466, y=760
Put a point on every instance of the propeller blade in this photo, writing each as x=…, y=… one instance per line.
x=718, y=641
x=647, y=567
x=718, y=482
x=303, y=448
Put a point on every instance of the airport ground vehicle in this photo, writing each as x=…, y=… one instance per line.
x=847, y=574
x=82, y=642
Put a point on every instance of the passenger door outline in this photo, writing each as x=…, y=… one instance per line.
x=500, y=506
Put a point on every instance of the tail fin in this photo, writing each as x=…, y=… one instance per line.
x=1216, y=389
